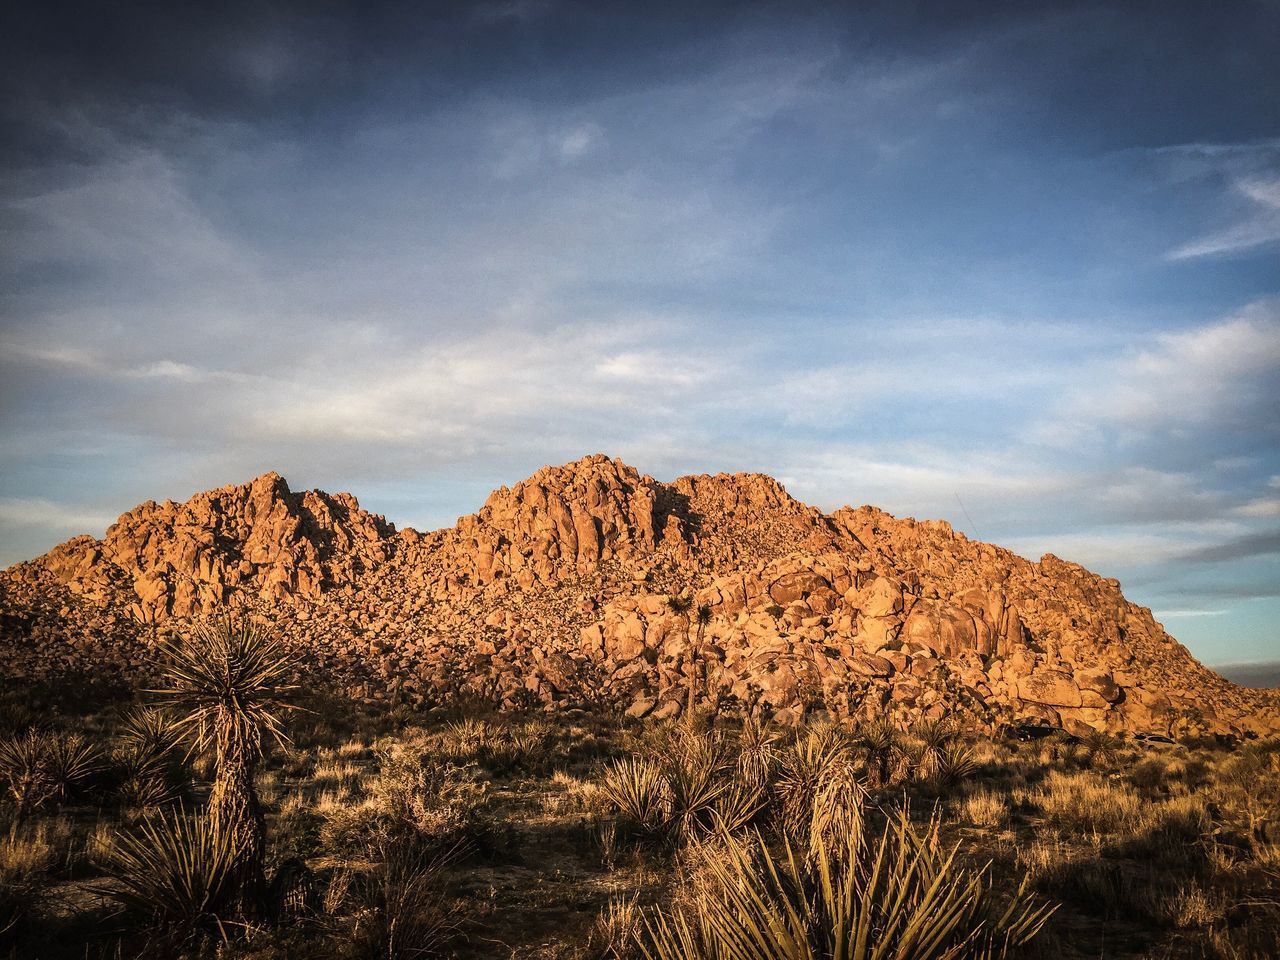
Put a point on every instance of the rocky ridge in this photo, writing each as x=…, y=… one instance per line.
x=554, y=594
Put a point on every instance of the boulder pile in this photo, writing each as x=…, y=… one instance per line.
x=555, y=595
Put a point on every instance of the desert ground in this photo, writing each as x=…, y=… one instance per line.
x=458, y=831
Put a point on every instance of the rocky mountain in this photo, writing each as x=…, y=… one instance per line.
x=554, y=595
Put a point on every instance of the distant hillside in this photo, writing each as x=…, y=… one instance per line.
x=554, y=594
x=1260, y=675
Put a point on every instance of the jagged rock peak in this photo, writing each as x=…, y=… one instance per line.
x=554, y=592
x=562, y=521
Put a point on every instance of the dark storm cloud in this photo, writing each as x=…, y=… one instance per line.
x=1254, y=545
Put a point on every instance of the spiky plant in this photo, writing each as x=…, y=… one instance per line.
x=150, y=757
x=882, y=745
x=40, y=766
x=695, y=780
x=638, y=792
x=902, y=897
x=932, y=739
x=756, y=752
x=178, y=871
x=820, y=757
x=228, y=682
x=956, y=762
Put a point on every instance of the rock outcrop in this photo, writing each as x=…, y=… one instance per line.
x=554, y=594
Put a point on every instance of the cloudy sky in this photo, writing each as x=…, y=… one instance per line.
x=1017, y=270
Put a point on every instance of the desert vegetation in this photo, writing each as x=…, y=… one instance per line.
x=237, y=809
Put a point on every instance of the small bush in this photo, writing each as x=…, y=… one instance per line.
x=901, y=896
x=40, y=767
x=398, y=910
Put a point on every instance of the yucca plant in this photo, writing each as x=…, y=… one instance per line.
x=956, y=762
x=899, y=898
x=882, y=744
x=177, y=870
x=696, y=780
x=149, y=757
x=42, y=766
x=932, y=739
x=228, y=682
x=819, y=757
x=757, y=754
x=638, y=791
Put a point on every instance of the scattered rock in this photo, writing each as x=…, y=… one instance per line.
x=554, y=594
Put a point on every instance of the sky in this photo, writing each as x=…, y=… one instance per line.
x=1012, y=265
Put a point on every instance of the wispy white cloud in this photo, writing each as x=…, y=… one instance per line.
x=1259, y=227
x=1217, y=373
x=35, y=512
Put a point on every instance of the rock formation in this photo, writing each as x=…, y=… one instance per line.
x=553, y=595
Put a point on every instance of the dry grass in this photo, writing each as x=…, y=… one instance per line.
x=984, y=809
x=573, y=832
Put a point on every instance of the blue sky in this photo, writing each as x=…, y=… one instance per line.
x=1020, y=270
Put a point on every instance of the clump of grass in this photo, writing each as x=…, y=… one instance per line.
x=31, y=851
x=984, y=809
x=1085, y=801
x=901, y=896
x=397, y=908
x=617, y=931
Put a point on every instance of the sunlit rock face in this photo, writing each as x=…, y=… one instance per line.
x=554, y=595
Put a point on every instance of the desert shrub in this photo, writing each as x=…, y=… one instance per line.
x=1151, y=775
x=900, y=896
x=1086, y=801
x=397, y=910
x=178, y=872
x=31, y=850
x=41, y=767
x=525, y=747
x=1249, y=789
x=467, y=740
x=416, y=798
